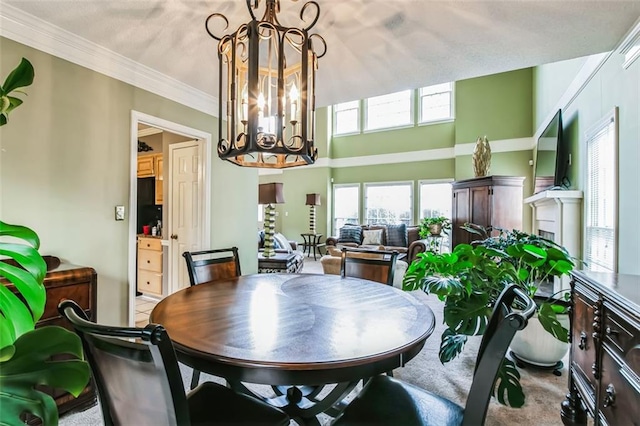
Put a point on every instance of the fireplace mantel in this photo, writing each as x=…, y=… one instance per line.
x=559, y=213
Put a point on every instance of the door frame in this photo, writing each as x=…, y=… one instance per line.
x=142, y=118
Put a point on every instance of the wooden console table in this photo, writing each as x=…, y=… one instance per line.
x=604, y=370
x=280, y=263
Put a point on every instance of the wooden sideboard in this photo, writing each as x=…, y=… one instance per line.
x=67, y=281
x=604, y=379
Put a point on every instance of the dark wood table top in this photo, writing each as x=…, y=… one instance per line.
x=282, y=329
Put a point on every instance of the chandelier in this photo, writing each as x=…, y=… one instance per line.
x=267, y=89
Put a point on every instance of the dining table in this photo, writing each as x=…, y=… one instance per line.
x=311, y=337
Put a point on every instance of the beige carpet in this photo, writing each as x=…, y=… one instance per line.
x=544, y=391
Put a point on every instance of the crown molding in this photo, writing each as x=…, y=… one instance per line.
x=34, y=32
x=630, y=45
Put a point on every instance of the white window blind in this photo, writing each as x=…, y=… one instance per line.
x=436, y=102
x=387, y=111
x=346, y=206
x=346, y=118
x=390, y=203
x=600, y=198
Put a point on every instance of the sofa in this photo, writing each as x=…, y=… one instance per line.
x=284, y=245
x=332, y=261
x=402, y=238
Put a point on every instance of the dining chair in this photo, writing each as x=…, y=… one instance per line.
x=139, y=383
x=374, y=265
x=388, y=401
x=211, y=265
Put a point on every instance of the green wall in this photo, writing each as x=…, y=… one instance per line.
x=65, y=164
x=611, y=86
x=499, y=106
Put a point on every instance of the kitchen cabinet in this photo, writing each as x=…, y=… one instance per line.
x=489, y=201
x=146, y=165
x=159, y=175
x=150, y=265
x=151, y=165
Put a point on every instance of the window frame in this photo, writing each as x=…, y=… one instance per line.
x=432, y=182
x=367, y=185
x=365, y=113
x=452, y=108
x=334, y=120
x=610, y=119
x=336, y=229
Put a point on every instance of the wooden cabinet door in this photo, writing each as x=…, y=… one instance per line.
x=159, y=179
x=480, y=202
x=146, y=166
x=460, y=215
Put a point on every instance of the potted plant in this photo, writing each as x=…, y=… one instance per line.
x=434, y=226
x=469, y=280
x=26, y=352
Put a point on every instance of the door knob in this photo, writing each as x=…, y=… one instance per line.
x=174, y=237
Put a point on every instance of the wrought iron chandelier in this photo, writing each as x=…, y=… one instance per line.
x=267, y=89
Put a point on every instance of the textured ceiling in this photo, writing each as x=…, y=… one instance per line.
x=374, y=46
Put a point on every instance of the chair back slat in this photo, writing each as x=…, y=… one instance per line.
x=135, y=371
x=212, y=265
x=502, y=326
x=374, y=265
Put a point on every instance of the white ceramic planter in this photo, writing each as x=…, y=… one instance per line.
x=536, y=346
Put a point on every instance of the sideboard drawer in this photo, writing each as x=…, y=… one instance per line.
x=619, y=330
x=619, y=390
x=150, y=282
x=150, y=260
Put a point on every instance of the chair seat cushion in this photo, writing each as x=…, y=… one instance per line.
x=387, y=401
x=211, y=403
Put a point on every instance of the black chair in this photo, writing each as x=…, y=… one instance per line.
x=374, y=265
x=388, y=401
x=211, y=265
x=139, y=383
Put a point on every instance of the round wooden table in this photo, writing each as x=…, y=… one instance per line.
x=295, y=329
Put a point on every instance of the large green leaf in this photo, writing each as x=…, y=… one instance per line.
x=507, y=388
x=549, y=321
x=21, y=76
x=17, y=318
x=468, y=315
x=31, y=365
x=451, y=345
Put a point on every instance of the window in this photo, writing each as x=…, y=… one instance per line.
x=435, y=199
x=389, y=203
x=346, y=118
x=436, y=102
x=346, y=206
x=600, y=195
x=389, y=110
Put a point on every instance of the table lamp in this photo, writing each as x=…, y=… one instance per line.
x=313, y=200
x=270, y=194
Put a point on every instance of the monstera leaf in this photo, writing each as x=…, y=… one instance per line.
x=21, y=76
x=468, y=315
x=16, y=317
x=548, y=321
x=451, y=345
x=30, y=364
x=507, y=387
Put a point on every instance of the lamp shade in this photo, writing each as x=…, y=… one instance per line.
x=313, y=200
x=270, y=193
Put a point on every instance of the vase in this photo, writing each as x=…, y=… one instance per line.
x=536, y=346
x=435, y=229
x=481, y=158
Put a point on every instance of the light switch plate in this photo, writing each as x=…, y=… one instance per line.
x=119, y=212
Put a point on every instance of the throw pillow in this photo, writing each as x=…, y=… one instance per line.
x=397, y=235
x=373, y=237
x=282, y=242
x=350, y=234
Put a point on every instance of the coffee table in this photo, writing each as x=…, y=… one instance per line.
x=288, y=263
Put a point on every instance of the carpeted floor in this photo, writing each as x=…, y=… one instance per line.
x=544, y=391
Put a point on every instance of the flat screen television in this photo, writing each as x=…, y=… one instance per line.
x=552, y=157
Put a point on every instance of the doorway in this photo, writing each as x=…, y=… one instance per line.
x=148, y=130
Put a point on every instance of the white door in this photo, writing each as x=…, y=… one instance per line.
x=186, y=195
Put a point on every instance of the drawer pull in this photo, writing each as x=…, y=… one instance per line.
x=594, y=370
x=148, y=261
x=611, y=332
x=610, y=398
x=583, y=340
x=148, y=283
